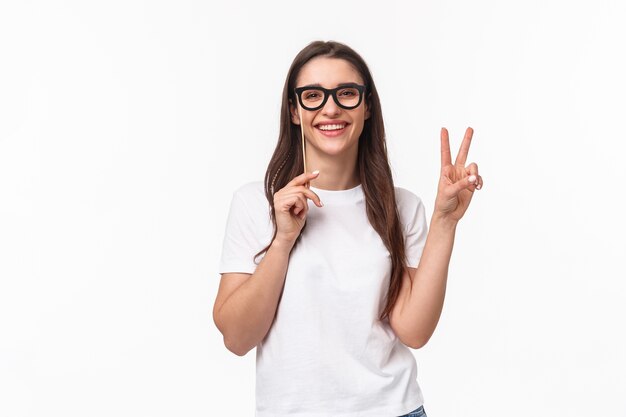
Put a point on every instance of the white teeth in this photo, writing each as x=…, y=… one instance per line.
x=331, y=127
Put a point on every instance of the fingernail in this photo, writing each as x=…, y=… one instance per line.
x=321, y=204
x=317, y=171
x=472, y=178
x=478, y=187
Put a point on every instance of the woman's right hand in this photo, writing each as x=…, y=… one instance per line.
x=291, y=207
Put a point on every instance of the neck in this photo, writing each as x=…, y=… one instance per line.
x=336, y=172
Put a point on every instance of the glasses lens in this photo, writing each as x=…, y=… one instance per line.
x=348, y=96
x=312, y=98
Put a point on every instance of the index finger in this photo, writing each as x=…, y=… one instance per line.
x=309, y=194
x=462, y=156
x=445, y=148
x=303, y=178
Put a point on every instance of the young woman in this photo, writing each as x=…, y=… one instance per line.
x=334, y=291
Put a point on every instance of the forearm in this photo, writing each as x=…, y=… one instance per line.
x=247, y=315
x=427, y=294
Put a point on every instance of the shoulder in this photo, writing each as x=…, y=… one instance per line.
x=251, y=195
x=410, y=208
x=407, y=199
x=252, y=189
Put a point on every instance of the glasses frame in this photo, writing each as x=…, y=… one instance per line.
x=330, y=92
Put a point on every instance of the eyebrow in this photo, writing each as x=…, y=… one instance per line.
x=338, y=85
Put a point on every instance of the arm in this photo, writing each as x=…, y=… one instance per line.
x=420, y=302
x=419, y=305
x=244, y=312
x=246, y=304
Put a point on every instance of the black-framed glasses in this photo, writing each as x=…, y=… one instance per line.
x=347, y=96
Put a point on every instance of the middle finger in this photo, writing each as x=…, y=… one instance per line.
x=465, y=145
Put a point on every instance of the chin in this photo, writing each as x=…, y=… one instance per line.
x=334, y=150
x=332, y=146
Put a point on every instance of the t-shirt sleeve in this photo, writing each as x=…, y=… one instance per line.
x=241, y=239
x=415, y=229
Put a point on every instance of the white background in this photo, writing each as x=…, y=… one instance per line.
x=125, y=126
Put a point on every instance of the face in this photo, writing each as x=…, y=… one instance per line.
x=320, y=126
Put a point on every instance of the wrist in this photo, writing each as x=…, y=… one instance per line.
x=283, y=244
x=443, y=221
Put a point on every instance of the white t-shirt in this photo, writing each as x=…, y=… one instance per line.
x=327, y=354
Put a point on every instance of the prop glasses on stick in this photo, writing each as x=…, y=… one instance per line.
x=313, y=97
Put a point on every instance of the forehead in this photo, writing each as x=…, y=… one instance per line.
x=328, y=72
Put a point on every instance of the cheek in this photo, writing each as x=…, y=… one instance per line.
x=309, y=130
x=307, y=119
x=359, y=122
x=357, y=129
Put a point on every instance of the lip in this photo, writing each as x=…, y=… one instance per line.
x=332, y=133
x=331, y=122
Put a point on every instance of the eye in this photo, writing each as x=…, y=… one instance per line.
x=348, y=92
x=312, y=95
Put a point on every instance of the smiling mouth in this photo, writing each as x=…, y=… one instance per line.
x=332, y=130
x=333, y=127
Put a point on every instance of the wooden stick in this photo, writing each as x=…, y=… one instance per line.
x=303, y=145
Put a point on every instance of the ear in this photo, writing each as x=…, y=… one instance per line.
x=367, y=110
x=295, y=118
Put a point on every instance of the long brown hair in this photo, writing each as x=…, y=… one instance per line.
x=372, y=163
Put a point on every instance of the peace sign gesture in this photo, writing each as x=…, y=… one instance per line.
x=457, y=182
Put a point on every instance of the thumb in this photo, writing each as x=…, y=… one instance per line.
x=467, y=183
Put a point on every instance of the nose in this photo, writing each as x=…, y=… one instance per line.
x=330, y=107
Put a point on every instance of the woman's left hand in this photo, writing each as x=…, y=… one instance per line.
x=457, y=182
